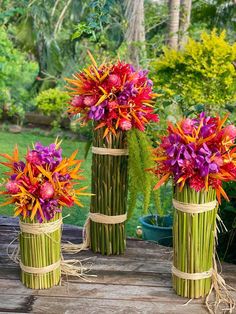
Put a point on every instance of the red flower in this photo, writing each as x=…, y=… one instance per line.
x=152, y=117
x=197, y=183
x=67, y=200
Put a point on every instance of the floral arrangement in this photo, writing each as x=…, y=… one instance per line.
x=119, y=101
x=115, y=95
x=199, y=152
x=42, y=184
x=39, y=187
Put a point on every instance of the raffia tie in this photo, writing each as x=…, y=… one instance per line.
x=40, y=270
x=191, y=208
x=191, y=276
x=37, y=228
x=222, y=294
x=110, y=151
x=98, y=218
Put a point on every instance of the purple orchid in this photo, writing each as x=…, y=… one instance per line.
x=61, y=178
x=96, y=112
x=49, y=208
x=204, y=161
x=129, y=91
x=19, y=166
x=49, y=155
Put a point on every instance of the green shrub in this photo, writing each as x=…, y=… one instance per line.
x=53, y=102
x=201, y=74
x=17, y=75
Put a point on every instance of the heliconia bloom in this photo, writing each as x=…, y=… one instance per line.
x=46, y=191
x=198, y=152
x=44, y=183
x=111, y=92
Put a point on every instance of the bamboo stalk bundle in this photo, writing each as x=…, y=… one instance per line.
x=110, y=189
x=38, y=251
x=193, y=242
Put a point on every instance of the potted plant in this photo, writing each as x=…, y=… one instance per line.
x=157, y=225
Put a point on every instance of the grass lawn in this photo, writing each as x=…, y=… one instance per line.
x=77, y=214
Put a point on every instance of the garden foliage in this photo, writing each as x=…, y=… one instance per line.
x=201, y=74
x=16, y=77
x=53, y=102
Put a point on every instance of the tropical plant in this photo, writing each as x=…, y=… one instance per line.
x=53, y=102
x=17, y=74
x=201, y=74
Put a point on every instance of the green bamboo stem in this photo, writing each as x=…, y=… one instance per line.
x=109, y=186
x=193, y=242
x=40, y=251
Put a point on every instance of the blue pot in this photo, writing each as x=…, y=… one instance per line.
x=159, y=234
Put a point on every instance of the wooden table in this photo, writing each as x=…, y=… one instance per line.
x=137, y=282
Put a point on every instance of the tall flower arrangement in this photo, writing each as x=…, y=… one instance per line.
x=40, y=186
x=117, y=99
x=198, y=154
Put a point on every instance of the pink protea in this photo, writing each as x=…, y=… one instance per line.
x=230, y=131
x=90, y=100
x=33, y=158
x=12, y=187
x=114, y=80
x=46, y=191
x=187, y=125
x=77, y=101
x=125, y=124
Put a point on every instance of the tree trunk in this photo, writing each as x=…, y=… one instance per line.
x=172, y=39
x=135, y=33
x=185, y=13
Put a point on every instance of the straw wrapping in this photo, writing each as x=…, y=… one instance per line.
x=40, y=270
x=110, y=151
x=191, y=276
x=191, y=208
x=37, y=228
x=106, y=219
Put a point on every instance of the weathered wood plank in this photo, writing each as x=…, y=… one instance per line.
x=97, y=291
x=88, y=305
